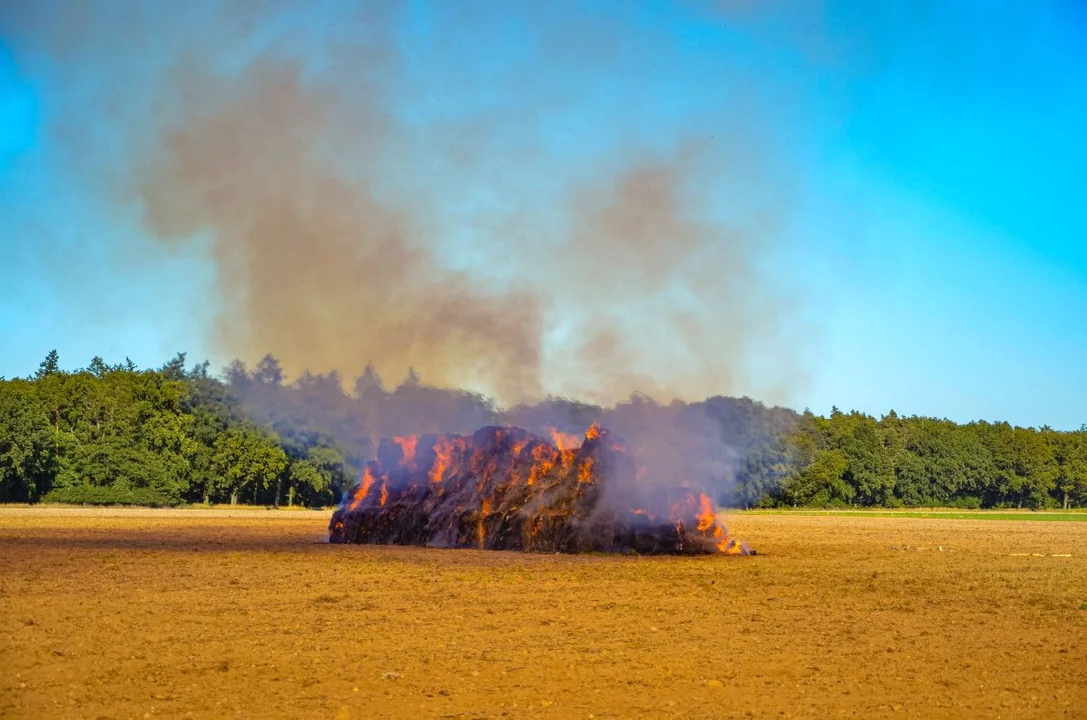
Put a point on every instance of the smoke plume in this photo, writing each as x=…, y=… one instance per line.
x=357, y=211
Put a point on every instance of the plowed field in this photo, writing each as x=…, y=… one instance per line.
x=142, y=613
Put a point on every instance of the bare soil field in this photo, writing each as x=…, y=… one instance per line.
x=144, y=613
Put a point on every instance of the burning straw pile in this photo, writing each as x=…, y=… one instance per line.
x=504, y=488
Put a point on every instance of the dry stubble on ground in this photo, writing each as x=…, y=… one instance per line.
x=213, y=614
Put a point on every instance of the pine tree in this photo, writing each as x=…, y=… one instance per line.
x=49, y=366
x=98, y=366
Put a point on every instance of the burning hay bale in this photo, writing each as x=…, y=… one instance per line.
x=505, y=488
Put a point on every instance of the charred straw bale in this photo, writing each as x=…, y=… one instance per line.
x=505, y=488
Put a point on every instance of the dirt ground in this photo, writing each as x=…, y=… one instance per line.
x=144, y=613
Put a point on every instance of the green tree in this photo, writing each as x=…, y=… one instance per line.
x=121, y=437
x=25, y=440
x=117, y=434
x=200, y=371
x=98, y=366
x=313, y=478
x=821, y=483
x=49, y=366
x=869, y=464
x=1070, y=453
x=175, y=369
x=245, y=458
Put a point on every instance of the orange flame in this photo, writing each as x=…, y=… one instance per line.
x=565, y=441
x=443, y=450
x=499, y=466
x=730, y=547
x=566, y=457
x=585, y=473
x=363, y=488
x=707, y=524
x=515, y=475
x=407, y=450
x=544, y=461
x=706, y=515
x=484, y=511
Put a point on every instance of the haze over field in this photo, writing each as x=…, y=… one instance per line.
x=844, y=204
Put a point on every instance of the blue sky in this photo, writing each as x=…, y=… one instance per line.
x=924, y=163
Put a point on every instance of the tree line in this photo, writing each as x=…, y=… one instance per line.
x=118, y=434
x=855, y=459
